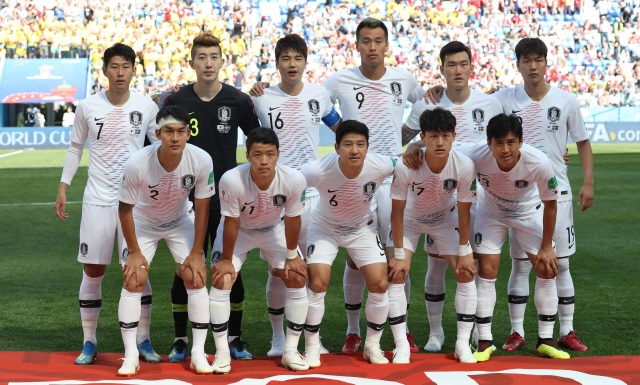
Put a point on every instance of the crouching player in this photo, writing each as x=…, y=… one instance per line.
x=347, y=182
x=428, y=194
x=515, y=178
x=157, y=181
x=252, y=198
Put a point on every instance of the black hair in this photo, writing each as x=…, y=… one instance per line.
x=372, y=23
x=502, y=124
x=293, y=43
x=351, y=127
x=437, y=120
x=119, y=49
x=177, y=112
x=262, y=135
x=531, y=46
x=453, y=48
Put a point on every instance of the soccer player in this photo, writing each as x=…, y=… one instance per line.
x=347, y=182
x=254, y=197
x=115, y=123
x=472, y=110
x=424, y=202
x=512, y=175
x=216, y=111
x=294, y=110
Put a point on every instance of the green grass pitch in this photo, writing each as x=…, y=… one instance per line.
x=40, y=277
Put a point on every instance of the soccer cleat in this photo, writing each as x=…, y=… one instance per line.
x=485, y=350
x=294, y=361
x=129, y=367
x=413, y=348
x=88, y=354
x=374, y=354
x=435, y=343
x=146, y=353
x=238, y=350
x=546, y=348
x=277, y=347
x=572, y=342
x=463, y=353
x=514, y=342
x=312, y=356
x=401, y=355
x=200, y=365
x=179, y=351
x=352, y=343
x=222, y=363
x=323, y=350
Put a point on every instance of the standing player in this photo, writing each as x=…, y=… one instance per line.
x=216, y=111
x=254, y=196
x=428, y=197
x=512, y=175
x=115, y=122
x=294, y=110
x=157, y=181
x=472, y=110
x=347, y=182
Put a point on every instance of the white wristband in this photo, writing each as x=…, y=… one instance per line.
x=398, y=253
x=464, y=250
x=292, y=254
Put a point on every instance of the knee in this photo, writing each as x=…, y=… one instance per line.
x=223, y=283
x=464, y=277
x=317, y=286
x=295, y=280
x=563, y=266
x=136, y=283
x=378, y=287
x=94, y=271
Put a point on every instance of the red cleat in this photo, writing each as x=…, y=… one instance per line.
x=412, y=345
x=514, y=342
x=352, y=343
x=572, y=342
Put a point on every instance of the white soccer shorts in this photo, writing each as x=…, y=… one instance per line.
x=491, y=232
x=564, y=236
x=381, y=207
x=311, y=200
x=442, y=239
x=99, y=226
x=433, y=248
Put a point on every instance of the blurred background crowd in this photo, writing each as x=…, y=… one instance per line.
x=594, y=47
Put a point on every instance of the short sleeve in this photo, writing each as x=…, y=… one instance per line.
x=80, y=130
x=310, y=172
x=332, y=84
x=415, y=91
x=401, y=182
x=295, y=203
x=153, y=126
x=575, y=123
x=130, y=185
x=205, y=184
x=413, y=121
x=501, y=96
x=229, y=199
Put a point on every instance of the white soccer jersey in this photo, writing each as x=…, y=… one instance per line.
x=430, y=197
x=296, y=120
x=257, y=209
x=513, y=194
x=345, y=204
x=114, y=134
x=161, y=198
x=546, y=124
x=377, y=103
x=472, y=116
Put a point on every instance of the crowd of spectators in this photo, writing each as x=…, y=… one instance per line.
x=594, y=57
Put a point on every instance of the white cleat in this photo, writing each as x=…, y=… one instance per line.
x=312, y=356
x=294, y=361
x=222, y=363
x=323, y=350
x=435, y=343
x=129, y=367
x=374, y=354
x=463, y=353
x=277, y=347
x=199, y=364
x=401, y=355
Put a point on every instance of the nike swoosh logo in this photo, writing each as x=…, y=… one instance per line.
x=357, y=88
x=150, y=186
x=191, y=113
x=84, y=303
x=332, y=191
x=218, y=329
x=571, y=245
x=273, y=108
x=96, y=119
x=515, y=112
x=250, y=203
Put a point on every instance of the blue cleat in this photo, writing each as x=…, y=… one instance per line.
x=146, y=353
x=238, y=350
x=88, y=355
x=179, y=351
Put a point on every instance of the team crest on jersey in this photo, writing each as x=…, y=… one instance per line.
x=553, y=114
x=396, y=88
x=478, y=115
x=449, y=184
x=522, y=183
x=279, y=200
x=135, y=118
x=478, y=239
x=125, y=255
x=314, y=106
x=224, y=114
x=84, y=249
x=215, y=256
x=369, y=188
x=188, y=181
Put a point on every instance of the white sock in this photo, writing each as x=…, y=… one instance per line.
x=129, y=315
x=220, y=309
x=566, y=296
x=546, y=299
x=376, y=310
x=407, y=294
x=314, y=318
x=484, y=310
x=276, y=297
x=397, y=314
x=145, y=314
x=199, y=315
x=296, y=307
x=353, y=284
x=90, y=304
x=518, y=293
x=434, y=292
x=466, y=301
